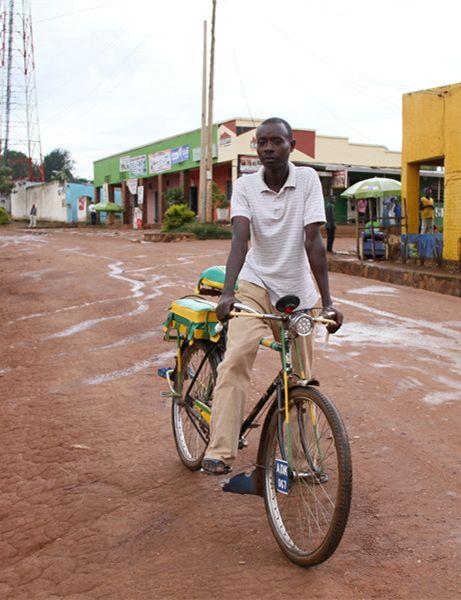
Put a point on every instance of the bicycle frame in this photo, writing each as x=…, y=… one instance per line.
x=200, y=411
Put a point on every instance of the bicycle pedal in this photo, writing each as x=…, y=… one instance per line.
x=243, y=443
x=162, y=371
x=169, y=395
x=254, y=425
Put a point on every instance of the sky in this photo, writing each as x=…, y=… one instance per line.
x=112, y=75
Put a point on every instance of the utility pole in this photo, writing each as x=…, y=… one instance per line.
x=209, y=166
x=203, y=139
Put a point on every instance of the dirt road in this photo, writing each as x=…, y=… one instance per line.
x=94, y=502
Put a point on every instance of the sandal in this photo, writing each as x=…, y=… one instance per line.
x=213, y=466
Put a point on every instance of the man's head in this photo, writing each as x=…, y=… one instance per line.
x=274, y=142
x=428, y=192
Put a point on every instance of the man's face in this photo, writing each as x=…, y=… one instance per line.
x=273, y=145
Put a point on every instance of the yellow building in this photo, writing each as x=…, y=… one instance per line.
x=432, y=136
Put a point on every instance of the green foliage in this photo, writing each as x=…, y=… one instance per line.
x=18, y=162
x=3, y=216
x=218, y=198
x=176, y=216
x=208, y=231
x=6, y=181
x=58, y=165
x=174, y=196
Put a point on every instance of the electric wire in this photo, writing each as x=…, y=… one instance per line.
x=85, y=66
x=77, y=104
x=347, y=78
x=242, y=87
x=76, y=12
x=108, y=93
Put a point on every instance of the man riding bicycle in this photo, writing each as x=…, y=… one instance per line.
x=281, y=208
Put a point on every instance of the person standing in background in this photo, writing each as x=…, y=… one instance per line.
x=92, y=211
x=426, y=205
x=33, y=216
x=330, y=225
x=362, y=210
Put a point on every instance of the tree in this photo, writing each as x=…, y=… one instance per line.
x=18, y=162
x=6, y=181
x=174, y=196
x=58, y=165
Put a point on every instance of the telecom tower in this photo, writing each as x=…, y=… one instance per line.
x=19, y=128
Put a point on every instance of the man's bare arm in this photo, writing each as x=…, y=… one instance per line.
x=235, y=260
x=318, y=261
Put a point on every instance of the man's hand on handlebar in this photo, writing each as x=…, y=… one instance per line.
x=225, y=305
x=330, y=312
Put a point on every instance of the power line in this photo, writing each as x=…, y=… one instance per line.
x=102, y=98
x=85, y=66
x=348, y=78
x=242, y=86
x=78, y=103
x=76, y=12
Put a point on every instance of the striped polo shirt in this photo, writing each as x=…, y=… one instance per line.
x=277, y=259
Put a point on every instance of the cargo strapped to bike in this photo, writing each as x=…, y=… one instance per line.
x=190, y=318
x=211, y=281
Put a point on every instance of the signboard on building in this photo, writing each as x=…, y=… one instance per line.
x=180, y=154
x=248, y=165
x=138, y=165
x=105, y=192
x=196, y=152
x=132, y=185
x=140, y=194
x=160, y=161
x=339, y=179
x=124, y=164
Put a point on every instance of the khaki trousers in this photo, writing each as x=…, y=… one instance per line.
x=235, y=370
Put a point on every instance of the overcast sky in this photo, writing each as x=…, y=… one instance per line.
x=114, y=75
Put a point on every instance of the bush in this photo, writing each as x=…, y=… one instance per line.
x=218, y=198
x=208, y=231
x=176, y=216
x=174, y=196
x=3, y=216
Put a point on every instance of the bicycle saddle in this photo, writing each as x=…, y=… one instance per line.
x=287, y=304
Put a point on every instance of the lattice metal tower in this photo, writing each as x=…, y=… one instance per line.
x=19, y=126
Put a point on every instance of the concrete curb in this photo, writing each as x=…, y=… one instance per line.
x=443, y=283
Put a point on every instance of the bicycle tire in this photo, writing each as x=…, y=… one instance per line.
x=309, y=481
x=182, y=420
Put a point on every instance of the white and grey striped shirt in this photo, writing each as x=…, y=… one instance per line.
x=277, y=259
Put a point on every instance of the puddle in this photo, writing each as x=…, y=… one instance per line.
x=138, y=337
x=375, y=290
x=158, y=359
x=84, y=325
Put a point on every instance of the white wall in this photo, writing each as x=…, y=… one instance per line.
x=49, y=198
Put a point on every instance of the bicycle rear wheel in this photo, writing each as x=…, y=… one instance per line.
x=191, y=414
x=308, y=522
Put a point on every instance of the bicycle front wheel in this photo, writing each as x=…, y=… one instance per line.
x=309, y=519
x=191, y=412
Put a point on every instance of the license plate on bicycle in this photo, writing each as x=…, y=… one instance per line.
x=281, y=476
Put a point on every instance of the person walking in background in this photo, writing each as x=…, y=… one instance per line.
x=33, y=216
x=330, y=225
x=92, y=211
x=398, y=211
x=388, y=211
x=426, y=205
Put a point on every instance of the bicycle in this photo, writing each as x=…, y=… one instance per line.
x=303, y=468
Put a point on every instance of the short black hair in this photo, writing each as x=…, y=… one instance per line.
x=279, y=121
